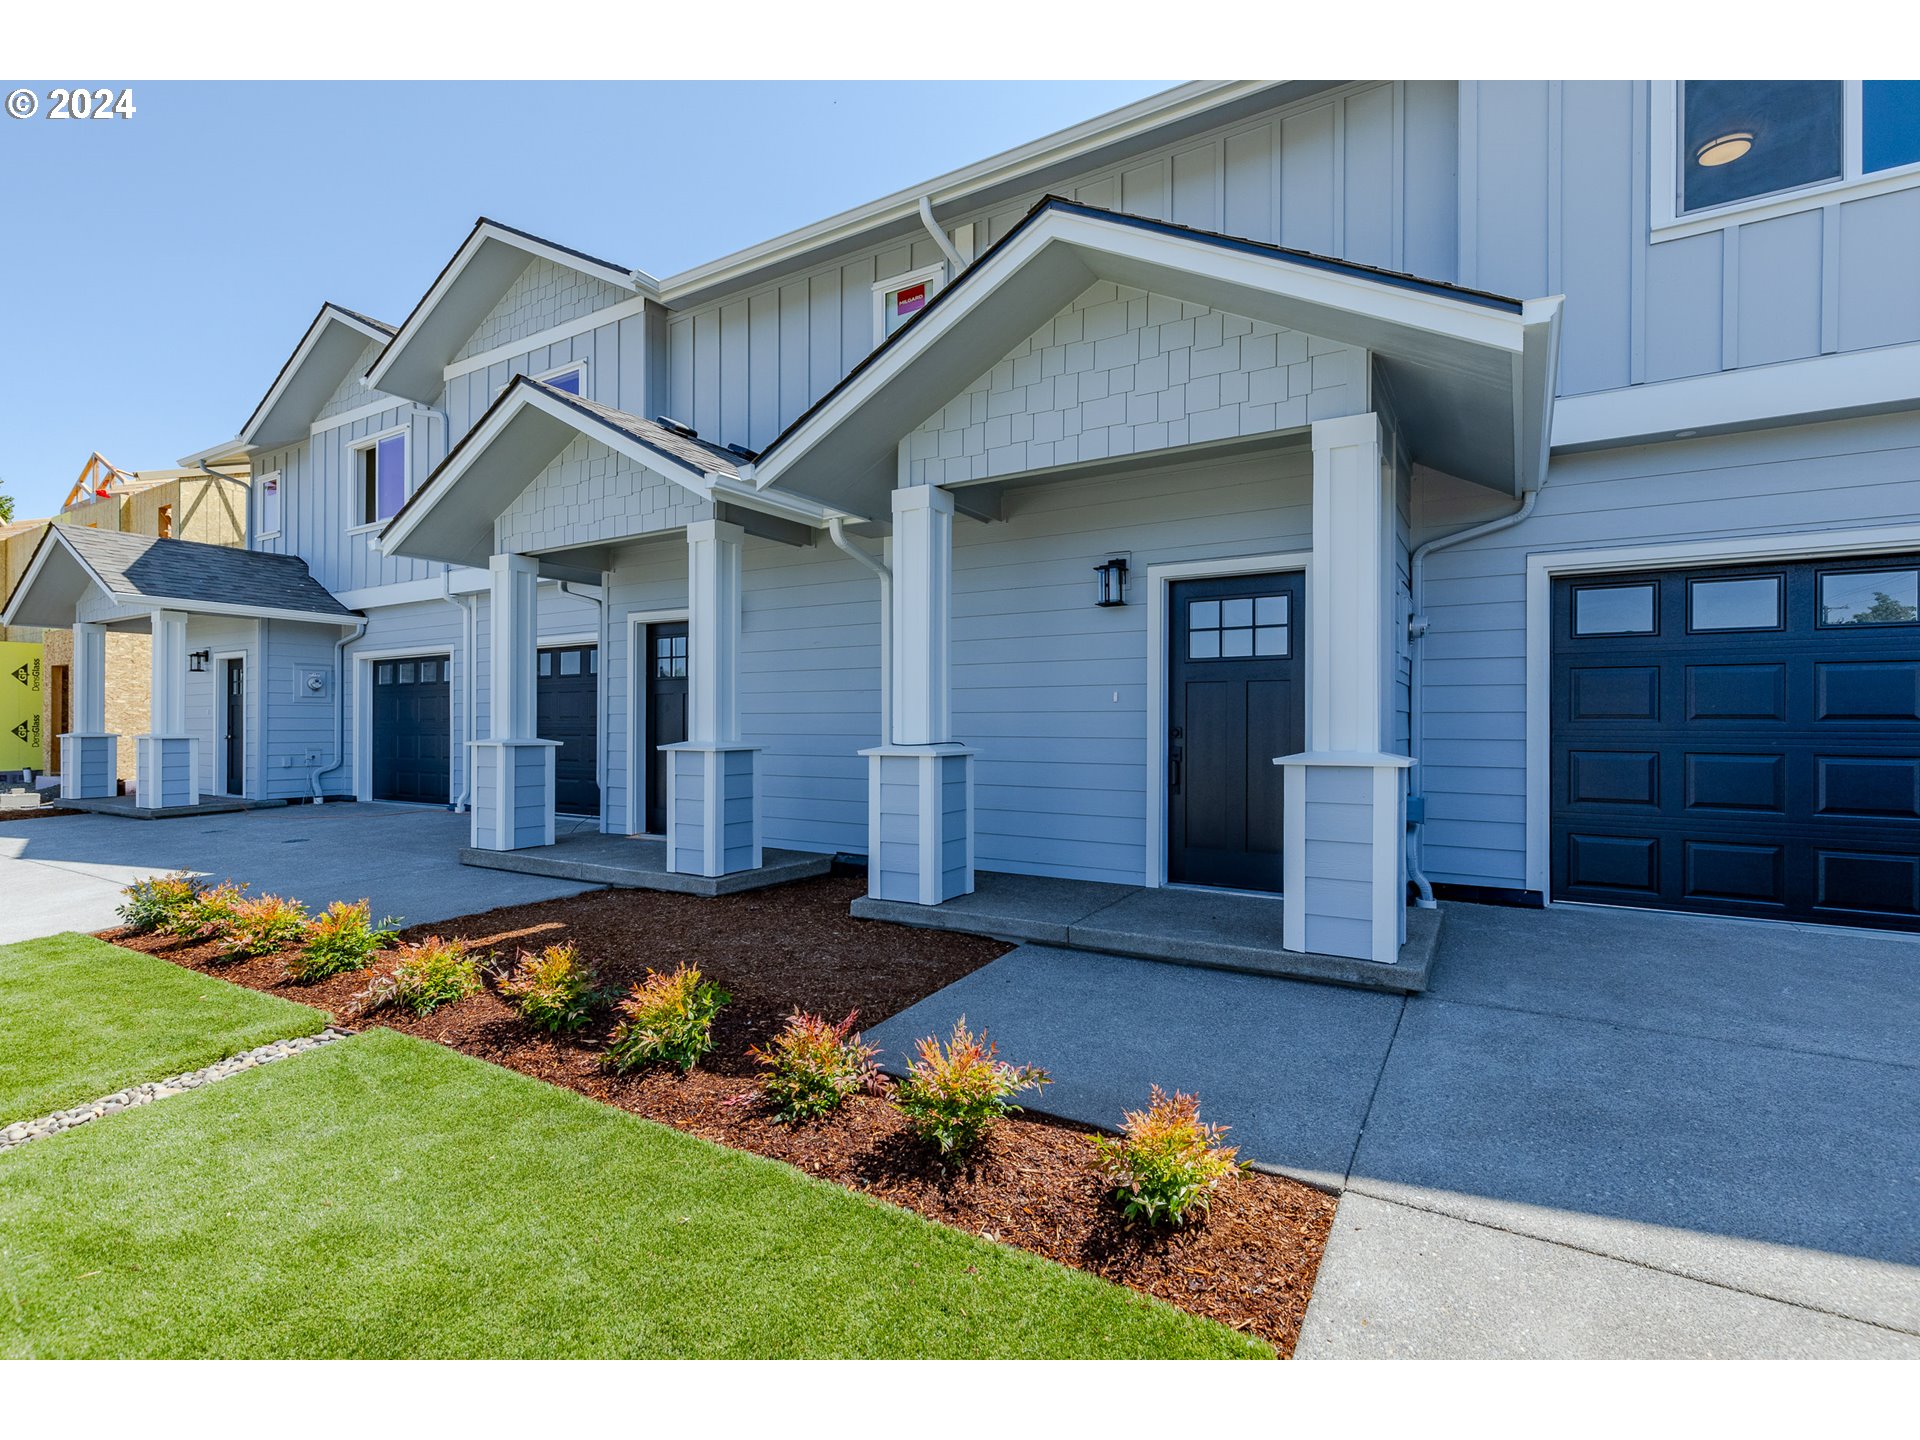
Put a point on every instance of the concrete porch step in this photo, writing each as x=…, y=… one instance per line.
x=129, y=808
x=1219, y=930
x=631, y=863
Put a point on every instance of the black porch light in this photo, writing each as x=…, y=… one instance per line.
x=1113, y=582
x=197, y=661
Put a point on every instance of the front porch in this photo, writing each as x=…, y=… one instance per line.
x=634, y=862
x=1213, y=929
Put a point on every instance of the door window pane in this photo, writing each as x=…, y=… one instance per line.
x=1239, y=628
x=406, y=672
x=1204, y=615
x=1743, y=138
x=1613, y=610
x=1204, y=645
x=1734, y=604
x=569, y=662
x=1235, y=643
x=1889, y=124
x=1870, y=597
x=546, y=663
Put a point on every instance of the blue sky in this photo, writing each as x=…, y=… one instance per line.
x=158, y=270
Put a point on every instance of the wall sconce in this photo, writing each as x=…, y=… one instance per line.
x=1113, y=582
x=197, y=661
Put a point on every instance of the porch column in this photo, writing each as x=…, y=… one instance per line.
x=713, y=790
x=89, y=758
x=919, y=780
x=513, y=787
x=167, y=758
x=1344, y=821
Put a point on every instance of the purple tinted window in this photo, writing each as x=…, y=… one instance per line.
x=569, y=382
x=390, y=461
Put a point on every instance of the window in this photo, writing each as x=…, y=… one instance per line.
x=1775, y=146
x=670, y=657
x=164, y=524
x=267, y=489
x=1613, y=610
x=1870, y=597
x=1734, y=604
x=1239, y=629
x=899, y=298
x=568, y=379
x=382, y=463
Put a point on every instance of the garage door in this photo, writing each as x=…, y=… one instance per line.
x=569, y=706
x=412, y=728
x=1741, y=740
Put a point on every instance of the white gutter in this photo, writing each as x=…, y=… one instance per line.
x=837, y=532
x=339, y=708
x=955, y=264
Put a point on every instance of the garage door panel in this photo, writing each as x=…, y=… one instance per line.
x=1887, y=690
x=1868, y=786
x=1598, y=777
x=1752, y=783
x=1718, y=870
x=1737, y=692
x=1618, y=865
x=1614, y=693
x=412, y=730
x=1876, y=886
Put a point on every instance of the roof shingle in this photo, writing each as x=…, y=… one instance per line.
x=147, y=568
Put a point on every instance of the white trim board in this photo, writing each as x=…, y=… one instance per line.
x=636, y=622
x=363, y=412
x=541, y=339
x=1543, y=568
x=1159, y=580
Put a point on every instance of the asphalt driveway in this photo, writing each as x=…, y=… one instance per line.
x=1600, y=1133
x=65, y=872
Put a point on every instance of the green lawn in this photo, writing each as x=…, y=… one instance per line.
x=80, y=1019
x=386, y=1197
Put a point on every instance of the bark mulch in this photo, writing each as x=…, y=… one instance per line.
x=1251, y=1264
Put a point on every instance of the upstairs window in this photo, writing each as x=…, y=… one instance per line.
x=381, y=465
x=569, y=378
x=266, y=492
x=899, y=298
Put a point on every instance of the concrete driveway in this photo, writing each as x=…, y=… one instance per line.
x=66, y=872
x=1600, y=1133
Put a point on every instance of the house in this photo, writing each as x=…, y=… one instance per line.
x=1348, y=491
x=205, y=502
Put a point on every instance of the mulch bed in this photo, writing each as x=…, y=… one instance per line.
x=1251, y=1264
x=37, y=812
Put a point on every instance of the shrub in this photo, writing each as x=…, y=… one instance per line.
x=343, y=938
x=668, y=1019
x=262, y=925
x=952, y=1096
x=210, y=913
x=555, y=989
x=812, y=1066
x=437, y=972
x=1165, y=1164
x=158, y=903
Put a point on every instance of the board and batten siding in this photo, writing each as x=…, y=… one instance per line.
x=299, y=723
x=615, y=354
x=1832, y=476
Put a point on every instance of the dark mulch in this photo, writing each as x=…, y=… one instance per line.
x=38, y=812
x=1250, y=1265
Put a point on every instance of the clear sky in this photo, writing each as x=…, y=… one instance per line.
x=155, y=272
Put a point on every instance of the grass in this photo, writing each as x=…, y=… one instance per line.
x=384, y=1197
x=80, y=1019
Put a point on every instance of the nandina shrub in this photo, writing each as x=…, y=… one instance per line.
x=262, y=925
x=211, y=913
x=436, y=972
x=555, y=990
x=158, y=902
x=953, y=1095
x=1164, y=1165
x=341, y=938
x=666, y=1020
x=812, y=1066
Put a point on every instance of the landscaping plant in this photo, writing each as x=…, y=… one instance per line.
x=342, y=938
x=953, y=1095
x=813, y=1065
x=556, y=989
x=158, y=903
x=666, y=1020
x=210, y=914
x=1164, y=1165
x=437, y=972
x=262, y=925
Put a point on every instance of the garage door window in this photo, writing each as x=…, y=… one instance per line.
x=1734, y=604
x=1870, y=597
x=1613, y=610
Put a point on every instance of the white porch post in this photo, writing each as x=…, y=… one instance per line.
x=713, y=790
x=919, y=781
x=167, y=760
x=1344, y=825
x=513, y=768
x=89, y=763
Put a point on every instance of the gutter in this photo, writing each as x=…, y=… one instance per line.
x=955, y=263
x=837, y=532
x=339, y=708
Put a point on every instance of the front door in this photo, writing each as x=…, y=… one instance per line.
x=568, y=701
x=234, y=731
x=666, y=711
x=1236, y=699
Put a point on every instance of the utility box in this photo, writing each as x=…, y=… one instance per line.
x=312, y=684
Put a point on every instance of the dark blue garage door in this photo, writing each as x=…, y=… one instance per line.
x=1741, y=740
x=412, y=730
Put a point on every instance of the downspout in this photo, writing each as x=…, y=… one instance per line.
x=469, y=608
x=1417, y=632
x=246, y=503
x=837, y=532
x=339, y=707
x=955, y=263
x=599, y=693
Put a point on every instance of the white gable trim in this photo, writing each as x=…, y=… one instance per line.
x=513, y=349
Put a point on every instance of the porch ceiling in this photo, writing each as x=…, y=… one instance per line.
x=1470, y=374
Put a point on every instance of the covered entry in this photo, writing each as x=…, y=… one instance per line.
x=1742, y=739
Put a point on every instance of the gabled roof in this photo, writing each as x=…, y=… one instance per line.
x=144, y=573
x=488, y=261
x=450, y=517
x=1471, y=372
x=323, y=358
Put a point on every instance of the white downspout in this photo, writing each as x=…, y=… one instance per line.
x=836, y=531
x=1417, y=632
x=469, y=608
x=339, y=707
x=600, y=693
x=955, y=262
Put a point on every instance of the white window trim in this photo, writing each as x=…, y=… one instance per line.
x=933, y=276
x=637, y=622
x=1543, y=569
x=1160, y=579
x=555, y=373
x=279, y=480
x=359, y=447
x=1671, y=223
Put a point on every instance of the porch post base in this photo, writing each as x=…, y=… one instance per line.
x=919, y=822
x=713, y=808
x=1345, y=838
x=513, y=793
x=89, y=766
x=166, y=771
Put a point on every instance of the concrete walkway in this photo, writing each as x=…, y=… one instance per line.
x=1600, y=1133
x=65, y=872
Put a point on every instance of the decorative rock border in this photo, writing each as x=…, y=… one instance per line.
x=21, y=1131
